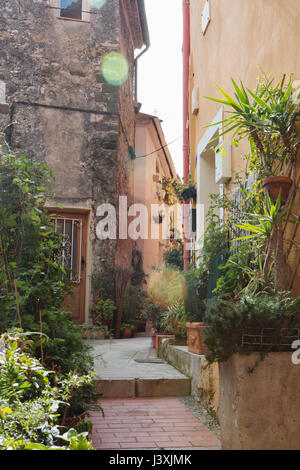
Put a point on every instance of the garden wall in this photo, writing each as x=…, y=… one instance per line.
x=260, y=402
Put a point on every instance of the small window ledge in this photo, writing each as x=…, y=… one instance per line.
x=72, y=19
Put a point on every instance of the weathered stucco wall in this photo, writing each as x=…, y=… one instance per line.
x=56, y=62
x=260, y=410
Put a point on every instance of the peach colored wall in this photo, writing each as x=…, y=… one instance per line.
x=241, y=35
x=145, y=189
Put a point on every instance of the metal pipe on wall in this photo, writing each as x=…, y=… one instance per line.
x=186, y=158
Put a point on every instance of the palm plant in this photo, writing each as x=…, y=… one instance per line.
x=269, y=122
x=268, y=117
x=266, y=226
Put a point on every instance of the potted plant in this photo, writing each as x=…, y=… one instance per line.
x=176, y=190
x=276, y=185
x=268, y=118
x=194, y=307
x=127, y=330
x=189, y=193
x=174, y=319
x=251, y=332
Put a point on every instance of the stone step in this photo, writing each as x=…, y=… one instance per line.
x=143, y=387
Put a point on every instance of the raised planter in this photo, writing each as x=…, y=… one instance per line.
x=195, y=340
x=260, y=402
x=276, y=183
x=93, y=332
x=159, y=337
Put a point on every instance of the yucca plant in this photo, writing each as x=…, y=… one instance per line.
x=268, y=118
x=267, y=227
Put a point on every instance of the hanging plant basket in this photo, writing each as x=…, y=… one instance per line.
x=189, y=193
x=273, y=184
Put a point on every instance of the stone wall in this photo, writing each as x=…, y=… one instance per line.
x=260, y=402
x=54, y=62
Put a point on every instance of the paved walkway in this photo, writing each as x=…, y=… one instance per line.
x=130, y=359
x=149, y=423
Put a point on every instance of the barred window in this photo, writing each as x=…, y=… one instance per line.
x=71, y=9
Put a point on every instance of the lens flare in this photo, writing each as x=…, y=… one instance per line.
x=166, y=287
x=115, y=68
x=97, y=3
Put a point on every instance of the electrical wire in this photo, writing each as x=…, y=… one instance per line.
x=160, y=148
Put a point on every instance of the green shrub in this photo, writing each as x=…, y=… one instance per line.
x=226, y=322
x=33, y=282
x=174, y=256
x=174, y=319
x=31, y=404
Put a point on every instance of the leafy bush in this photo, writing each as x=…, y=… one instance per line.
x=30, y=405
x=154, y=313
x=135, y=305
x=196, y=280
x=174, y=256
x=174, y=319
x=226, y=321
x=33, y=282
x=103, y=310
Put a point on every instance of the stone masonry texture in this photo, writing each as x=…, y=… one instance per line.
x=54, y=62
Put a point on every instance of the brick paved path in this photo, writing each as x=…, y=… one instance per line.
x=148, y=423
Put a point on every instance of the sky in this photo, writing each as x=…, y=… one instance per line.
x=160, y=72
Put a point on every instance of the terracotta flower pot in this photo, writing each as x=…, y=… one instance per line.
x=195, y=340
x=274, y=183
x=126, y=333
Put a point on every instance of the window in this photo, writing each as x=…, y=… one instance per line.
x=205, y=16
x=71, y=9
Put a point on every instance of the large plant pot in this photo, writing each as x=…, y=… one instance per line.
x=195, y=339
x=273, y=184
x=260, y=402
x=127, y=333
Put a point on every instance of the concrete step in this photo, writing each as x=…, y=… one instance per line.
x=143, y=387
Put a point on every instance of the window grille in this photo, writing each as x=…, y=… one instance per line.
x=71, y=256
x=240, y=207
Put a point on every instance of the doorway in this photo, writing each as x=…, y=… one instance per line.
x=73, y=226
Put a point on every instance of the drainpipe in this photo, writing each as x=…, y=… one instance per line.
x=144, y=26
x=186, y=159
x=136, y=69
